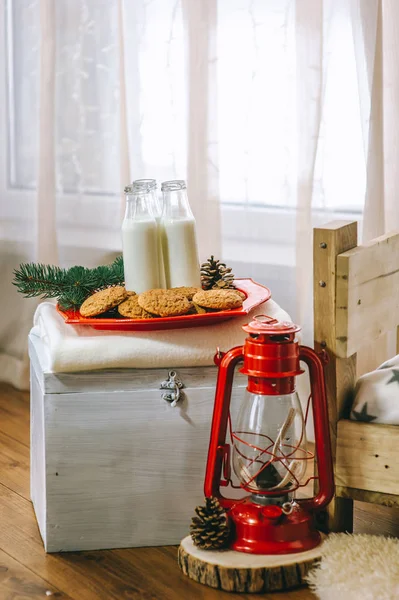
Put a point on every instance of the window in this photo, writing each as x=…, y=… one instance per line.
x=257, y=109
x=257, y=88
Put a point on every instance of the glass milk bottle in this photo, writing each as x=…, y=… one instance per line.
x=178, y=237
x=151, y=186
x=156, y=206
x=140, y=242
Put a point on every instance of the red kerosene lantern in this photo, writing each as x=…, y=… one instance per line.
x=269, y=453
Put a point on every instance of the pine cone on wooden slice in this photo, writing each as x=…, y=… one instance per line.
x=210, y=529
x=216, y=275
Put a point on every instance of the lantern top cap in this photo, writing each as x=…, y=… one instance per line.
x=263, y=324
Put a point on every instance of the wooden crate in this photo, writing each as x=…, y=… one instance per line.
x=356, y=304
x=112, y=464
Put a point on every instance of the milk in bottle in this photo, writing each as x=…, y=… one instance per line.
x=140, y=242
x=178, y=237
x=156, y=207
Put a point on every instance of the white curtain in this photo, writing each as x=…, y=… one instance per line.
x=381, y=211
x=277, y=112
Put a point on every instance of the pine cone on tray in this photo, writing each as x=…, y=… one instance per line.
x=210, y=529
x=216, y=275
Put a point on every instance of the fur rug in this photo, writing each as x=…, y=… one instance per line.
x=357, y=567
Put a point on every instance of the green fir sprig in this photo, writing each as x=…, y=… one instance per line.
x=71, y=286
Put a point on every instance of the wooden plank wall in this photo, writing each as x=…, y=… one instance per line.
x=368, y=457
x=356, y=304
x=367, y=293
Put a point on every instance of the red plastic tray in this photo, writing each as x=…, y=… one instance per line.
x=255, y=292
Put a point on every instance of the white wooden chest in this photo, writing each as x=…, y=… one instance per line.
x=113, y=464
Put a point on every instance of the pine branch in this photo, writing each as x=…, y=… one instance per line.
x=117, y=269
x=71, y=286
x=40, y=280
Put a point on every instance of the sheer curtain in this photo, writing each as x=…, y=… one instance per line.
x=273, y=110
x=381, y=211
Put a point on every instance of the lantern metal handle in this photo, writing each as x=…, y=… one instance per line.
x=173, y=384
x=315, y=363
x=217, y=446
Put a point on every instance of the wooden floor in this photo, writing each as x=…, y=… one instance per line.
x=140, y=573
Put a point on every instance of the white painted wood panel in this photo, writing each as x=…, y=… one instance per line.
x=124, y=469
x=37, y=454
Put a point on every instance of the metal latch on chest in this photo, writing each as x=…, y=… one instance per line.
x=173, y=384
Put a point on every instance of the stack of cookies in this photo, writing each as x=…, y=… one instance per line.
x=160, y=303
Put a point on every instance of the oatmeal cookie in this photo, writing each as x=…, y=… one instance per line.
x=130, y=308
x=102, y=301
x=164, y=303
x=218, y=299
x=188, y=292
x=240, y=293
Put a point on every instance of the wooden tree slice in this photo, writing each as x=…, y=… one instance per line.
x=240, y=572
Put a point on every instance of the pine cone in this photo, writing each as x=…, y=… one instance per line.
x=215, y=275
x=210, y=529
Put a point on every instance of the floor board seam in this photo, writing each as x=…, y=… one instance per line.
x=15, y=439
x=55, y=588
x=10, y=437
x=16, y=493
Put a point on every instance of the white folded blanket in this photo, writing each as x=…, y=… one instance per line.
x=81, y=348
